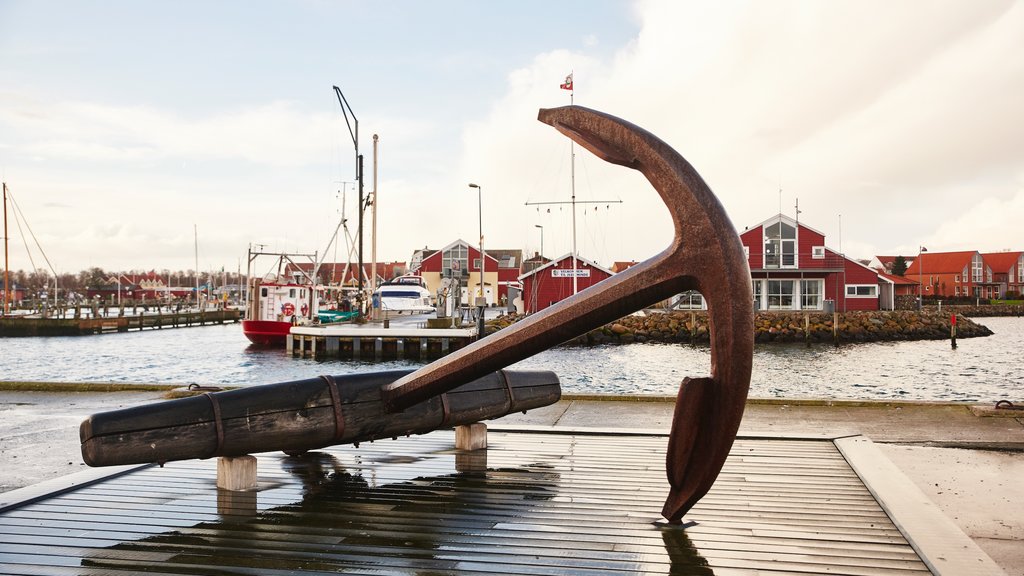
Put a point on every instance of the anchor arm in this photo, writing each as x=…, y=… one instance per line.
x=705, y=255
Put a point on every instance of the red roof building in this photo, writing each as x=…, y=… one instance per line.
x=956, y=274
x=792, y=269
x=1007, y=271
x=620, y=266
x=553, y=282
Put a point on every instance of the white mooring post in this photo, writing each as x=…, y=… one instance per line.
x=236, y=473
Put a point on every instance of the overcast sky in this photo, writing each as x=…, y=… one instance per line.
x=127, y=126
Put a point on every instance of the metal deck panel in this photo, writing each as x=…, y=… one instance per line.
x=530, y=504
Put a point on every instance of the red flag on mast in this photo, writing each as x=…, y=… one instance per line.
x=568, y=83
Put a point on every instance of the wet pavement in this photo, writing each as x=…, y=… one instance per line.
x=970, y=465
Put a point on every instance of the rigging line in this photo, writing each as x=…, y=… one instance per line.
x=19, y=216
x=21, y=232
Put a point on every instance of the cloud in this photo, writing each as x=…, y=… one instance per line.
x=896, y=116
x=277, y=134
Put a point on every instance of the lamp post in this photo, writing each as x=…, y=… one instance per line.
x=483, y=258
x=541, y=240
x=920, y=276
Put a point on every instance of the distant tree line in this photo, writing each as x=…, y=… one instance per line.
x=41, y=281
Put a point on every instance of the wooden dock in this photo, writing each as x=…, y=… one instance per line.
x=533, y=503
x=376, y=343
x=34, y=326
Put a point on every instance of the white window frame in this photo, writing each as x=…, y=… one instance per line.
x=977, y=270
x=873, y=288
x=746, y=252
x=792, y=295
x=819, y=294
x=956, y=279
x=818, y=252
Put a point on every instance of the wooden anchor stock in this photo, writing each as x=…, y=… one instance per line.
x=298, y=416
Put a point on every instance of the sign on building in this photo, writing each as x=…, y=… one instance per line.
x=568, y=273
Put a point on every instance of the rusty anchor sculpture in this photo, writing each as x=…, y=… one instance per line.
x=705, y=255
x=471, y=384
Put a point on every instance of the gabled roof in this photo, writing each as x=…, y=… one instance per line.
x=941, y=262
x=566, y=256
x=1001, y=262
x=785, y=219
x=440, y=253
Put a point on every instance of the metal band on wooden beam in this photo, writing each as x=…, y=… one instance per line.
x=339, y=418
x=218, y=424
x=508, y=388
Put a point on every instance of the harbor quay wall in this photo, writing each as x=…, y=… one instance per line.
x=861, y=326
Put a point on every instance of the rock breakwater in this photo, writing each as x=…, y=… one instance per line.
x=692, y=327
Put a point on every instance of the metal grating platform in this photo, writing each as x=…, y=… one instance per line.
x=534, y=503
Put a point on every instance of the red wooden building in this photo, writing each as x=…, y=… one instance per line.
x=792, y=269
x=464, y=259
x=553, y=282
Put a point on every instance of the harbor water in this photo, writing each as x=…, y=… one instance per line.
x=978, y=370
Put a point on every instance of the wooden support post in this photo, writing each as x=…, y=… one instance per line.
x=423, y=348
x=289, y=344
x=400, y=349
x=378, y=348
x=835, y=328
x=444, y=346
x=471, y=436
x=807, y=329
x=333, y=346
x=357, y=347
x=236, y=473
x=952, y=330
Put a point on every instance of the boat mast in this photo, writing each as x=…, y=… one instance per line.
x=7, y=290
x=572, y=200
x=373, y=212
x=572, y=173
x=195, y=244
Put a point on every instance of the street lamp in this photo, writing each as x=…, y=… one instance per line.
x=483, y=255
x=920, y=275
x=541, y=240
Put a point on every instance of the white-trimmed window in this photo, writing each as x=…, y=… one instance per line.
x=956, y=291
x=780, y=294
x=818, y=252
x=758, y=288
x=779, y=245
x=810, y=294
x=862, y=290
x=956, y=278
x=746, y=252
x=456, y=258
x=1020, y=269
x=976, y=268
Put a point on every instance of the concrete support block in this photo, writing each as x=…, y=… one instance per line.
x=236, y=473
x=471, y=436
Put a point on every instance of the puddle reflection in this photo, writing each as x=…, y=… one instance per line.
x=351, y=513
